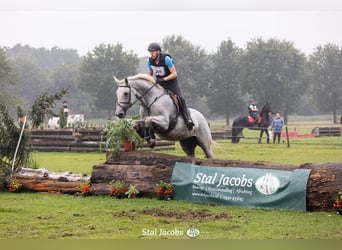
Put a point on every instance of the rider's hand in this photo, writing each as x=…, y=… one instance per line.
x=160, y=80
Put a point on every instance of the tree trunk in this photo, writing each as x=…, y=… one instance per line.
x=325, y=181
x=44, y=181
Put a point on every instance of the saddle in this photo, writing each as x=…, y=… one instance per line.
x=176, y=101
x=250, y=119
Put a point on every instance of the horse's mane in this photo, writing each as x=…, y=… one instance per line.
x=147, y=77
x=143, y=76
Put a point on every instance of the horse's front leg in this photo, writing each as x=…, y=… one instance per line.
x=268, y=136
x=143, y=130
x=160, y=123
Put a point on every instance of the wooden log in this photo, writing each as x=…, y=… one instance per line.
x=43, y=180
x=145, y=169
x=325, y=181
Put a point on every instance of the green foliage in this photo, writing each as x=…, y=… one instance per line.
x=97, y=70
x=9, y=136
x=31, y=80
x=43, y=105
x=326, y=70
x=13, y=184
x=215, y=83
x=44, y=58
x=132, y=191
x=226, y=96
x=273, y=71
x=62, y=118
x=118, y=130
x=7, y=76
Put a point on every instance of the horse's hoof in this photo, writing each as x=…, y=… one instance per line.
x=152, y=143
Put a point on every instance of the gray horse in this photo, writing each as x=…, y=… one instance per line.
x=162, y=114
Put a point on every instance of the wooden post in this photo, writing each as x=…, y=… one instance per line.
x=287, y=137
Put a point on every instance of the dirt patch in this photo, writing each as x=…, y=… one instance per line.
x=187, y=215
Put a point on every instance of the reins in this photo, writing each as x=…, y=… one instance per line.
x=138, y=98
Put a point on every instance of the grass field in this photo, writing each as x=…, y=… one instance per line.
x=49, y=216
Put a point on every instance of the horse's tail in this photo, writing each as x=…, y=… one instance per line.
x=214, y=148
x=236, y=129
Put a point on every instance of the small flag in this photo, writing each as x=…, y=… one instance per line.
x=22, y=119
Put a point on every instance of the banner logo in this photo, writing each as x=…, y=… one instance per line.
x=193, y=232
x=267, y=184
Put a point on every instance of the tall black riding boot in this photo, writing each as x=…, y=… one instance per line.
x=186, y=115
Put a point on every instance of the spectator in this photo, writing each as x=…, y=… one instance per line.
x=277, y=127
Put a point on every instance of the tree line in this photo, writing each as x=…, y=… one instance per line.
x=219, y=84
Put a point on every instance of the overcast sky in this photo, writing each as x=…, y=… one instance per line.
x=84, y=24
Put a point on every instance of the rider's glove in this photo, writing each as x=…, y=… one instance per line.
x=160, y=80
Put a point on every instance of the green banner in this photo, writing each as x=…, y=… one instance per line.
x=253, y=187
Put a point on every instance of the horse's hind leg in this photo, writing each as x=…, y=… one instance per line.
x=260, y=137
x=188, y=145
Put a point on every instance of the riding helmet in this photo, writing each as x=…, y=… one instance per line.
x=154, y=47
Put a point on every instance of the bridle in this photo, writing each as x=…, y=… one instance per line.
x=127, y=104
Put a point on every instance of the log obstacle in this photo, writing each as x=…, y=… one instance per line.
x=43, y=180
x=326, y=131
x=77, y=140
x=145, y=169
x=89, y=140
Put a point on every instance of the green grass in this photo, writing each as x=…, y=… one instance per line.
x=68, y=161
x=50, y=216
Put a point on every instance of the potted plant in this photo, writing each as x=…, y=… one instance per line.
x=164, y=190
x=117, y=189
x=338, y=203
x=119, y=131
x=13, y=184
x=85, y=188
x=132, y=191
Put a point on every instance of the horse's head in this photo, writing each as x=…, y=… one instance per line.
x=266, y=112
x=123, y=97
x=266, y=108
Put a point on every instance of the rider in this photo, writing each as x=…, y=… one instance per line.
x=253, y=111
x=65, y=108
x=164, y=69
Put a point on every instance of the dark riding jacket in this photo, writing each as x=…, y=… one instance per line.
x=161, y=70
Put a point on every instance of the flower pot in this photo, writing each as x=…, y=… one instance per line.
x=128, y=145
